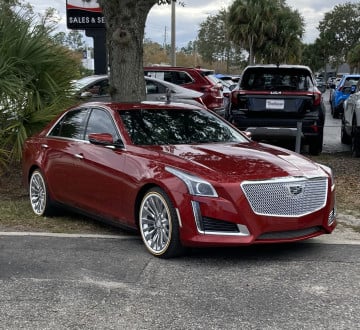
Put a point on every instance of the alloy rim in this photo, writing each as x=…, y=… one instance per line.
x=37, y=193
x=155, y=223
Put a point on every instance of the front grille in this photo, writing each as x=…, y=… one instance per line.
x=289, y=234
x=288, y=197
x=209, y=224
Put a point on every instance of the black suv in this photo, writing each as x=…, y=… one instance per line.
x=274, y=101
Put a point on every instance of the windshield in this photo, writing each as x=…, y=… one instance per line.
x=284, y=79
x=177, y=126
x=81, y=83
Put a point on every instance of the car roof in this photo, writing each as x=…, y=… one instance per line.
x=285, y=66
x=178, y=89
x=141, y=105
x=350, y=76
x=169, y=68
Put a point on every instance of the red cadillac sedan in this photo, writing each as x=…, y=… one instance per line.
x=180, y=175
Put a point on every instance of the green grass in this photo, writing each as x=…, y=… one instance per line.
x=17, y=215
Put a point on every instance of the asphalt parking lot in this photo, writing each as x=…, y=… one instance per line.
x=72, y=282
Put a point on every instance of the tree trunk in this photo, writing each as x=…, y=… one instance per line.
x=125, y=25
x=251, y=50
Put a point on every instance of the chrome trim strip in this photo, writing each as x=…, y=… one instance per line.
x=179, y=218
x=285, y=179
x=243, y=230
x=197, y=216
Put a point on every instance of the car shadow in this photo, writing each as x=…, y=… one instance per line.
x=263, y=252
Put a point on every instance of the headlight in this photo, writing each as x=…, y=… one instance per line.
x=195, y=185
x=330, y=172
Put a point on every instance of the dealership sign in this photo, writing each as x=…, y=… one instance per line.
x=84, y=14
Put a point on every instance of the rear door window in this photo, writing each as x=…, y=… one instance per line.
x=175, y=77
x=72, y=125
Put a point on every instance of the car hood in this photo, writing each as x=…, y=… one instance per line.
x=245, y=161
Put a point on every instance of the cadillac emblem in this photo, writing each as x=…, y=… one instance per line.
x=295, y=190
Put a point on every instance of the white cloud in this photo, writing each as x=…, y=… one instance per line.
x=188, y=18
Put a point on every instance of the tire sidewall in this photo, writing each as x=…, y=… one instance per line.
x=173, y=246
x=46, y=209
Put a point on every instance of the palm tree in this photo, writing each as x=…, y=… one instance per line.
x=251, y=22
x=35, y=77
x=285, y=45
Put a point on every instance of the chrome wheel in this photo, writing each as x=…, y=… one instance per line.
x=159, y=224
x=38, y=193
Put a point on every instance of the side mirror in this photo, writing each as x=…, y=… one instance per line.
x=86, y=95
x=104, y=139
x=101, y=138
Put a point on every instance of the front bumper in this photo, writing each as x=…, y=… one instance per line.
x=231, y=221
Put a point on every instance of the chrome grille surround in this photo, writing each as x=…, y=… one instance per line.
x=286, y=197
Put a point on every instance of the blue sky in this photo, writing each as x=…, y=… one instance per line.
x=188, y=18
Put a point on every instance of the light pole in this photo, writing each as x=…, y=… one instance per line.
x=173, y=50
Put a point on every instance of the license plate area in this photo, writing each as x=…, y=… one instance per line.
x=277, y=104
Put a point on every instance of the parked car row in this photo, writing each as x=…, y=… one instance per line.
x=267, y=101
x=321, y=85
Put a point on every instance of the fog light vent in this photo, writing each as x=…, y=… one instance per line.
x=332, y=217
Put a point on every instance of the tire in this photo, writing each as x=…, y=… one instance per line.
x=39, y=196
x=335, y=113
x=159, y=225
x=345, y=138
x=355, y=141
x=331, y=109
x=315, y=145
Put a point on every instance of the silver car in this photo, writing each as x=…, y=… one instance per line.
x=96, y=88
x=350, y=128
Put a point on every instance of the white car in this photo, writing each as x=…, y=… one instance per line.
x=96, y=88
